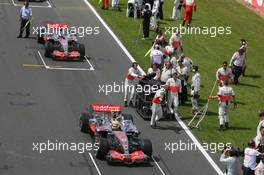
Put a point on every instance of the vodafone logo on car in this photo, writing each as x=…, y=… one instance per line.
x=106, y=108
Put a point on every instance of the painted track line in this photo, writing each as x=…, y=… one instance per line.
x=92, y=68
x=5, y=3
x=97, y=169
x=45, y=65
x=68, y=68
x=38, y=6
x=162, y=172
x=186, y=129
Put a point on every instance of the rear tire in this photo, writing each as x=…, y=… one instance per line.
x=84, y=123
x=146, y=147
x=49, y=50
x=103, y=148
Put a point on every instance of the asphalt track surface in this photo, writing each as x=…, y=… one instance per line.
x=39, y=104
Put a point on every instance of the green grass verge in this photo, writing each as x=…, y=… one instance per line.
x=209, y=53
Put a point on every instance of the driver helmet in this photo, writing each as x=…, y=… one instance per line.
x=115, y=124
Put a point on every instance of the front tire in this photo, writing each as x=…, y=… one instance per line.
x=103, y=148
x=81, y=50
x=146, y=147
x=49, y=50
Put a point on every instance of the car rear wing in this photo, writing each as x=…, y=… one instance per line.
x=106, y=108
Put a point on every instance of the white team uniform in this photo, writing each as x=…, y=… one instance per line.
x=196, y=83
x=237, y=60
x=173, y=94
x=259, y=140
x=176, y=13
x=261, y=124
x=259, y=169
x=187, y=62
x=115, y=3
x=156, y=56
x=166, y=74
x=132, y=74
x=250, y=158
x=232, y=164
x=176, y=43
x=156, y=106
x=155, y=10
x=189, y=2
x=225, y=93
x=183, y=73
x=223, y=75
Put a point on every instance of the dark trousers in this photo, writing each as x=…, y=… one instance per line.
x=22, y=27
x=237, y=71
x=184, y=94
x=247, y=171
x=160, y=14
x=146, y=24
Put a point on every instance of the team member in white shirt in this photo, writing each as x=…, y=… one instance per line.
x=25, y=16
x=259, y=139
x=260, y=167
x=261, y=121
x=237, y=63
x=157, y=112
x=187, y=62
x=224, y=73
x=250, y=157
x=167, y=72
x=225, y=94
x=155, y=10
x=195, y=88
x=176, y=12
x=174, y=88
x=230, y=158
x=176, y=43
x=130, y=80
x=156, y=56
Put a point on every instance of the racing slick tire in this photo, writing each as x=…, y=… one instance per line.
x=81, y=50
x=103, y=148
x=84, y=123
x=128, y=117
x=49, y=49
x=146, y=147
